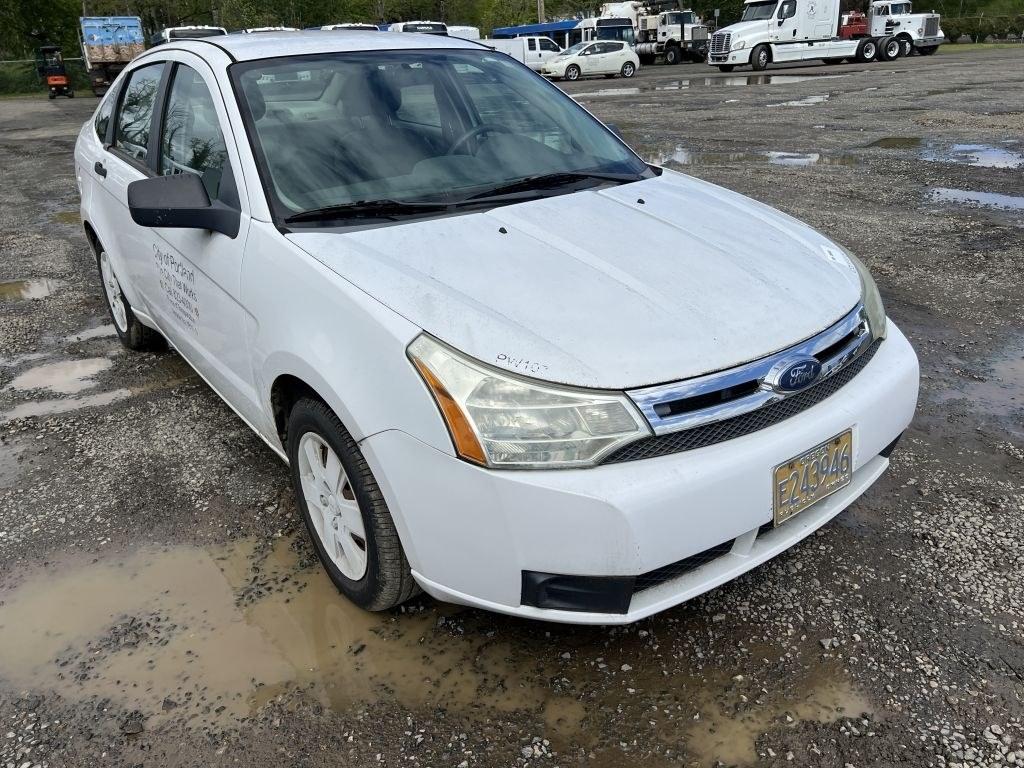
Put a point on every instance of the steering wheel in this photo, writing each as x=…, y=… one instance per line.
x=476, y=131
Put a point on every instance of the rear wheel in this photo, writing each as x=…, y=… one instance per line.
x=928, y=50
x=673, y=55
x=759, y=58
x=867, y=51
x=888, y=49
x=572, y=72
x=344, y=510
x=628, y=69
x=133, y=334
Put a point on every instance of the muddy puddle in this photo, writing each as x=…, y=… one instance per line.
x=706, y=82
x=207, y=636
x=807, y=101
x=996, y=390
x=98, y=332
x=897, y=142
x=17, y=290
x=66, y=217
x=976, y=155
x=991, y=200
x=684, y=156
x=65, y=377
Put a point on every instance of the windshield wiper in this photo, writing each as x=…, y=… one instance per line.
x=368, y=208
x=551, y=181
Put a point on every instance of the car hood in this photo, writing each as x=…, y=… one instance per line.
x=638, y=284
x=742, y=29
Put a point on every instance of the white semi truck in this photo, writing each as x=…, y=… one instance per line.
x=802, y=30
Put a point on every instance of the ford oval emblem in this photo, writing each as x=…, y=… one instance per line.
x=793, y=374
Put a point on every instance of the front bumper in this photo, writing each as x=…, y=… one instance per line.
x=470, y=533
x=928, y=42
x=742, y=56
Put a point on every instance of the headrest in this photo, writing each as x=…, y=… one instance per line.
x=254, y=95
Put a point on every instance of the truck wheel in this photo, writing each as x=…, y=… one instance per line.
x=927, y=50
x=52, y=95
x=572, y=72
x=888, y=49
x=726, y=67
x=760, y=57
x=673, y=55
x=906, y=46
x=867, y=51
x=344, y=510
x=628, y=70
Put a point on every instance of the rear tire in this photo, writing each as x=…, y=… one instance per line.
x=888, y=49
x=760, y=57
x=326, y=461
x=572, y=72
x=133, y=334
x=628, y=70
x=867, y=51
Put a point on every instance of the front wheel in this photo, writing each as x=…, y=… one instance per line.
x=673, y=55
x=133, y=334
x=759, y=58
x=628, y=69
x=906, y=47
x=344, y=510
x=572, y=72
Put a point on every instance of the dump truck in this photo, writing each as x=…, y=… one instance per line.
x=108, y=44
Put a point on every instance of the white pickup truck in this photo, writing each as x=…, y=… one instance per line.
x=802, y=30
x=531, y=51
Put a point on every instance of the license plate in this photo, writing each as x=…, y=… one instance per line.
x=808, y=478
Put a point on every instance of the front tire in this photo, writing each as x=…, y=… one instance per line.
x=628, y=69
x=759, y=58
x=344, y=510
x=673, y=55
x=133, y=334
x=572, y=73
x=906, y=47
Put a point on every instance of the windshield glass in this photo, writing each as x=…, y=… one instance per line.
x=759, y=11
x=414, y=126
x=899, y=8
x=685, y=17
x=574, y=49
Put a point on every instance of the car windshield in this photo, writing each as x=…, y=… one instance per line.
x=897, y=9
x=759, y=11
x=416, y=127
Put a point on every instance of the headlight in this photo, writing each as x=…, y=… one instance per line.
x=501, y=420
x=871, y=299
x=739, y=46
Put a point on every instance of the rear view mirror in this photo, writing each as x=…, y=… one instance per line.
x=180, y=202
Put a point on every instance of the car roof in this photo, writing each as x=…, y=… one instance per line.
x=273, y=44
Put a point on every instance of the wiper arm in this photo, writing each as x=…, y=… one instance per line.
x=367, y=208
x=551, y=181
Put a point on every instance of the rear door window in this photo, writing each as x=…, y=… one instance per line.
x=135, y=115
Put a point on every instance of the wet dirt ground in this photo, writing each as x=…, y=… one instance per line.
x=160, y=604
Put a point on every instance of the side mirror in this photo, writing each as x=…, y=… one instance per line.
x=781, y=22
x=180, y=202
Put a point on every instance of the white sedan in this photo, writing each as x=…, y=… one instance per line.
x=603, y=57
x=412, y=266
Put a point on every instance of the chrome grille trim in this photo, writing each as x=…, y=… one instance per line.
x=720, y=42
x=648, y=398
x=931, y=26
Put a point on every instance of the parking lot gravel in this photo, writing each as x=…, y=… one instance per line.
x=160, y=604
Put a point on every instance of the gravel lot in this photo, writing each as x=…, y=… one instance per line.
x=160, y=605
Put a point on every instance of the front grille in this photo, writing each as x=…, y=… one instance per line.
x=680, y=567
x=720, y=42
x=931, y=26
x=699, y=33
x=720, y=431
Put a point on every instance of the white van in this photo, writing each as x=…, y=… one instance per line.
x=531, y=51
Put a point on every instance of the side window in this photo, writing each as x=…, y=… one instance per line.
x=136, y=113
x=531, y=44
x=787, y=9
x=190, y=139
x=102, y=121
x=546, y=44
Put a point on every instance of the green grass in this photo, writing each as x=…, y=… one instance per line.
x=967, y=47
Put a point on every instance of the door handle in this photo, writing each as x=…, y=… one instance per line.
x=100, y=170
